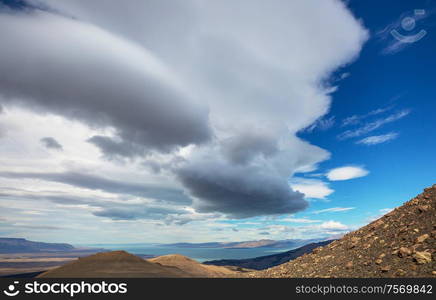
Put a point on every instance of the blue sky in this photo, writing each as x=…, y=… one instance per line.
x=181, y=128
x=378, y=85
x=399, y=81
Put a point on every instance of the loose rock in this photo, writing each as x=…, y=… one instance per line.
x=422, y=238
x=385, y=268
x=422, y=257
x=403, y=252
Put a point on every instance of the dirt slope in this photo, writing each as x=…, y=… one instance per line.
x=402, y=243
x=112, y=265
x=192, y=267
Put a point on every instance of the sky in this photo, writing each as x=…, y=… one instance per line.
x=191, y=121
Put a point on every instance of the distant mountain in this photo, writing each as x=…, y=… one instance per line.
x=265, y=243
x=264, y=262
x=252, y=244
x=196, y=245
x=401, y=243
x=19, y=245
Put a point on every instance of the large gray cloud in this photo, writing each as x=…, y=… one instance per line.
x=242, y=148
x=51, y=143
x=83, y=72
x=236, y=80
x=110, y=209
x=113, y=149
x=111, y=186
x=239, y=192
x=139, y=212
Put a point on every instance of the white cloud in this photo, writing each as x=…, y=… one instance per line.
x=322, y=124
x=381, y=212
x=346, y=173
x=333, y=209
x=299, y=220
x=311, y=188
x=378, y=139
x=196, y=92
x=344, y=75
x=323, y=230
x=333, y=225
x=371, y=126
x=384, y=211
x=356, y=119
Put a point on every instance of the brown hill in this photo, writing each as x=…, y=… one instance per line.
x=192, y=267
x=402, y=243
x=112, y=265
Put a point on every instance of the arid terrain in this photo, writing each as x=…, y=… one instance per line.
x=402, y=243
x=120, y=264
x=196, y=269
x=20, y=263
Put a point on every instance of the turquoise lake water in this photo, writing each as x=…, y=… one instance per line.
x=199, y=254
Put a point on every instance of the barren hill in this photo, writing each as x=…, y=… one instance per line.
x=402, y=243
x=115, y=264
x=192, y=267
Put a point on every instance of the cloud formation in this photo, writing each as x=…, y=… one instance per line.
x=378, y=139
x=113, y=208
x=93, y=182
x=371, y=126
x=238, y=194
x=332, y=209
x=51, y=143
x=357, y=119
x=327, y=228
x=214, y=106
x=311, y=188
x=322, y=124
x=127, y=89
x=346, y=173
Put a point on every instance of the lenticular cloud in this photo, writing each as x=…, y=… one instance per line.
x=222, y=86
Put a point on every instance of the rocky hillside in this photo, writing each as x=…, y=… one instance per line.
x=402, y=243
x=268, y=261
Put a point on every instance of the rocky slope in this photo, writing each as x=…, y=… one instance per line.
x=402, y=243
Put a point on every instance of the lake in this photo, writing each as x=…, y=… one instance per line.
x=199, y=254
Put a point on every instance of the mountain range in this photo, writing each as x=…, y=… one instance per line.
x=264, y=243
x=20, y=245
x=268, y=261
